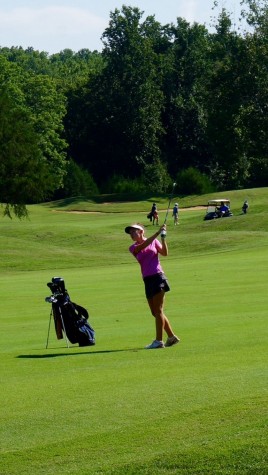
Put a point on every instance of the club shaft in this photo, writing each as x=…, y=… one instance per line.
x=168, y=208
x=167, y=211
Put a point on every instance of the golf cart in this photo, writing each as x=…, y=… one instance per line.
x=218, y=209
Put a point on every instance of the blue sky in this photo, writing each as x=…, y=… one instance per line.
x=53, y=25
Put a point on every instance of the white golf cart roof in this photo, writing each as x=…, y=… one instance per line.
x=218, y=202
x=212, y=204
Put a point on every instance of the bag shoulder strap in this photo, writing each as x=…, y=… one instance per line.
x=82, y=312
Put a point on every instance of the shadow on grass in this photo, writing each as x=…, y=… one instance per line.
x=55, y=355
x=103, y=198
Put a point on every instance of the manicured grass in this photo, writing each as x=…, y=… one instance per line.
x=197, y=408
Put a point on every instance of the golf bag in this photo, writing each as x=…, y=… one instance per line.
x=153, y=217
x=69, y=318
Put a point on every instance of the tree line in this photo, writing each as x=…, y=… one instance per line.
x=159, y=103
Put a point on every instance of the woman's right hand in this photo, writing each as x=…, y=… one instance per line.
x=163, y=231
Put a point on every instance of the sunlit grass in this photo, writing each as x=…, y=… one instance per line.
x=197, y=408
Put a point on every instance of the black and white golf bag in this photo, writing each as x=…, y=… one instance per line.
x=69, y=318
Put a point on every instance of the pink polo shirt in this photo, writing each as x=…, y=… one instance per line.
x=148, y=258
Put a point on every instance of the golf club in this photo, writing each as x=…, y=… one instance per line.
x=171, y=196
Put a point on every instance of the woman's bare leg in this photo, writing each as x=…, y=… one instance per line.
x=156, y=305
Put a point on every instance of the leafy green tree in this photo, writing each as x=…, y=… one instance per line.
x=82, y=104
x=255, y=14
x=76, y=182
x=47, y=108
x=253, y=119
x=156, y=177
x=73, y=70
x=24, y=175
x=192, y=182
x=122, y=122
x=184, y=143
x=38, y=107
x=28, y=59
x=237, y=104
x=128, y=186
x=157, y=101
x=224, y=99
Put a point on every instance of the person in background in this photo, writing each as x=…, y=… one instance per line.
x=146, y=251
x=152, y=212
x=223, y=209
x=245, y=207
x=175, y=214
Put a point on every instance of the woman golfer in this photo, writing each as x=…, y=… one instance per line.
x=146, y=251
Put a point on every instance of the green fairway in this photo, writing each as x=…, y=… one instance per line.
x=197, y=408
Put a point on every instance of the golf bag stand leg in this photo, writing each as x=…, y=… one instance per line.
x=64, y=331
x=49, y=323
x=63, y=327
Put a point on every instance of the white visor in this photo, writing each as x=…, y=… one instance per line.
x=133, y=226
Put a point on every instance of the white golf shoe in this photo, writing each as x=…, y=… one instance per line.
x=155, y=344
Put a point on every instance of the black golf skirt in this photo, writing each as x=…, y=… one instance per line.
x=155, y=284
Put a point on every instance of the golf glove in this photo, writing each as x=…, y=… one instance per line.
x=163, y=234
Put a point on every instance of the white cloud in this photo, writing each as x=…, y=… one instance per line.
x=66, y=26
x=189, y=9
x=56, y=27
